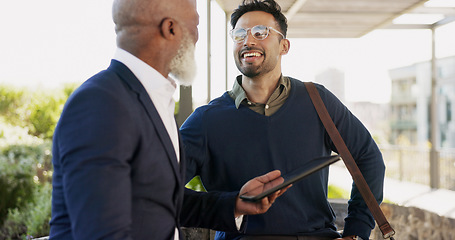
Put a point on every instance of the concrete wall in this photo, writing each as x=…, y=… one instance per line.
x=410, y=223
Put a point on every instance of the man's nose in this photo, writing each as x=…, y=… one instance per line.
x=249, y=39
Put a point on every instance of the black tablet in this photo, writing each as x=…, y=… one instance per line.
x=290, y=178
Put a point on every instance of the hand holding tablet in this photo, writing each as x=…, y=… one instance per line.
x=280, y=183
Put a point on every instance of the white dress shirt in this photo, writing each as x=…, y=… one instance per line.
x=160, y=90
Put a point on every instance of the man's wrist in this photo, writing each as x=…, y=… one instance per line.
x=356, y=227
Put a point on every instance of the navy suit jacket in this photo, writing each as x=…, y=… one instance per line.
x=116, y=175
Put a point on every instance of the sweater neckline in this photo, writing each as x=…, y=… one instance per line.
x=277, y=113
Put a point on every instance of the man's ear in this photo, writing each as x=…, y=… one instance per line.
x=285, y=45
x=168, y=28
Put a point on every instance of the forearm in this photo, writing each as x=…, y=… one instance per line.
x=214, y=210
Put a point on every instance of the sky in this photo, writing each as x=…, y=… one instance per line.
x=49, y=42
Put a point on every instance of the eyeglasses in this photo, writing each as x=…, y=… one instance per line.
x=259, y=32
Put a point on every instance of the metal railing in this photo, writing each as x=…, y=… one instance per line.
x=447, y=168
x=412, y=164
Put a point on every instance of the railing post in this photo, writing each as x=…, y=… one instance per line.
x=435, y=174
x=434, y=133
x=400, y=164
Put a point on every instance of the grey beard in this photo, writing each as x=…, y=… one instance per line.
x=183, y=65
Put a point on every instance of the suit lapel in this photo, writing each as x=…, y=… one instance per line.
x=180, y=193
x=147, y=103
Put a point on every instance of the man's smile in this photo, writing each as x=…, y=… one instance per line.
x=250, y=56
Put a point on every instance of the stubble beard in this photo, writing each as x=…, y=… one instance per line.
x=252, y=71
x=248, y=71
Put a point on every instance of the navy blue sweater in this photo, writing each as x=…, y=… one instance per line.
x=227, y=146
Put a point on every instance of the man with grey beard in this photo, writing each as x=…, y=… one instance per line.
x=118, y=163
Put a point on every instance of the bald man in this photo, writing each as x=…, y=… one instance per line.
x=118, y=162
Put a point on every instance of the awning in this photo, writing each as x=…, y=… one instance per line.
x=348, y=18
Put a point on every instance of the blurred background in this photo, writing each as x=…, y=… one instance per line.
x=391, y=62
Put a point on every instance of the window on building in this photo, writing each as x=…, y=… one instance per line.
x=449, y=111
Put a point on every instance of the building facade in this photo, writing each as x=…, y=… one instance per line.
x=333, y=79
x=410, y=103
x=373, y=115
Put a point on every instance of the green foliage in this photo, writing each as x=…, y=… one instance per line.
x=68, y=89
x=25, y=176
x=177, y=108
x=16, y=186
x=22, y=167
x=337, y=193
x=11, y=99
x=36, y=110
x=196, y=184
x=38, y=214
x=27, y=122
x=43, y=114
x=33, y=219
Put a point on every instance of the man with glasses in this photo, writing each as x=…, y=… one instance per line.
x=267, y=121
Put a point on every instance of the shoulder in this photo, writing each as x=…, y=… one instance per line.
x=106, y=85
x=103, y=96
x=116, y=80
x=217, y=105
x=325, y=93
x=332, y=103
x=301, y=85
x=300, y=88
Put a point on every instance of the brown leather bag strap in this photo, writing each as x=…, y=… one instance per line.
x=384, y=226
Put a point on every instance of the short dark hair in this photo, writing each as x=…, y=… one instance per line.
x=268, y=6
